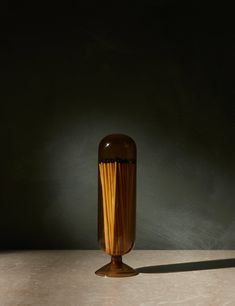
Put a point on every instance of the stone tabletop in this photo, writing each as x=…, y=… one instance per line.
x=67, y=278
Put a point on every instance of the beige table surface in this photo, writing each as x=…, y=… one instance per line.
x=66, y=278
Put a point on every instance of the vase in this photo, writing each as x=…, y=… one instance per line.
x=116, y=202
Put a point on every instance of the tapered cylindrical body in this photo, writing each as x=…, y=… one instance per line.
x=117, y=197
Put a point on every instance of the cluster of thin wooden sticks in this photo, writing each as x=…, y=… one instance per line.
x=117, y=181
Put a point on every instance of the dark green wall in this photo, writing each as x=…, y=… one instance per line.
x=161, y=72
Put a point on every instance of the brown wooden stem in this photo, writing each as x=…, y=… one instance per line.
x=116, y=261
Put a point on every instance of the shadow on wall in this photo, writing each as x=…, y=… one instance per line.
x=49, y=178
x=26, y=193
x=170, y=90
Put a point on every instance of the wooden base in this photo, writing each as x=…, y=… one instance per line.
x=116, y=268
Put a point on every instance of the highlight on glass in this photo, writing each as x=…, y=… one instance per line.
x=116, y=202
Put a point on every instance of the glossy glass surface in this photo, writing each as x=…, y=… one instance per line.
x=116, y=201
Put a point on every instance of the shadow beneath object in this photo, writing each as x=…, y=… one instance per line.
x=189, y=266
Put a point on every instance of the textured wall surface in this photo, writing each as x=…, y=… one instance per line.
x=160, y=72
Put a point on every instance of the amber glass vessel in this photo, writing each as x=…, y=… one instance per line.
x=116, y=202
